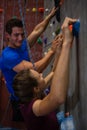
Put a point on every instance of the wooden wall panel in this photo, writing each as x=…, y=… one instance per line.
x=11, y=9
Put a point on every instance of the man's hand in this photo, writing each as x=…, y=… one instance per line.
x=53, y=12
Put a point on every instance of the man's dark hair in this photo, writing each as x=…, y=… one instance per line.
x=23, y=85
x=13, y=23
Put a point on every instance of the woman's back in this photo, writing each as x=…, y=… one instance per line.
x=48, y=122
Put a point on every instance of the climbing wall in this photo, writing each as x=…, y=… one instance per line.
x=76, y=102
x=77, y=9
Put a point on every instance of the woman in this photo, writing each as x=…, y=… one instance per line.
x=38, y=109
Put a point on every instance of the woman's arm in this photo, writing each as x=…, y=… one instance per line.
x=48, y=79
x=59, y=86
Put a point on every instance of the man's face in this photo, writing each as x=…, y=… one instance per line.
x=16, y=37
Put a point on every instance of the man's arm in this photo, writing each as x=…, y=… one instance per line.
x=39, y=29
x=41, y=64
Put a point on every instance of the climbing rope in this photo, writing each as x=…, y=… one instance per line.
x=25, y=32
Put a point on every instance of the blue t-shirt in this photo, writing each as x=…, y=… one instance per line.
x=9, y=59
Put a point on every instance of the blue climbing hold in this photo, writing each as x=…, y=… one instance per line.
x=76, y=28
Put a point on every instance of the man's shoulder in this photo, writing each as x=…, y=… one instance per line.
x=9, y=52
x=6, y=49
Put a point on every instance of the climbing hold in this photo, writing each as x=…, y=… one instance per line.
x=46, y=10
x=57, y=4
x=45, y=53
x=14, y=17
x=34, y=10
x=54, y=34
x=71, y=27
x=45, y=40
x=41, y=10
x=51, y=24
x=39, y=40
x=57, y=31
x=76, y=28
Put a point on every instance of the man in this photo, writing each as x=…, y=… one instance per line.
x=15, y=56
